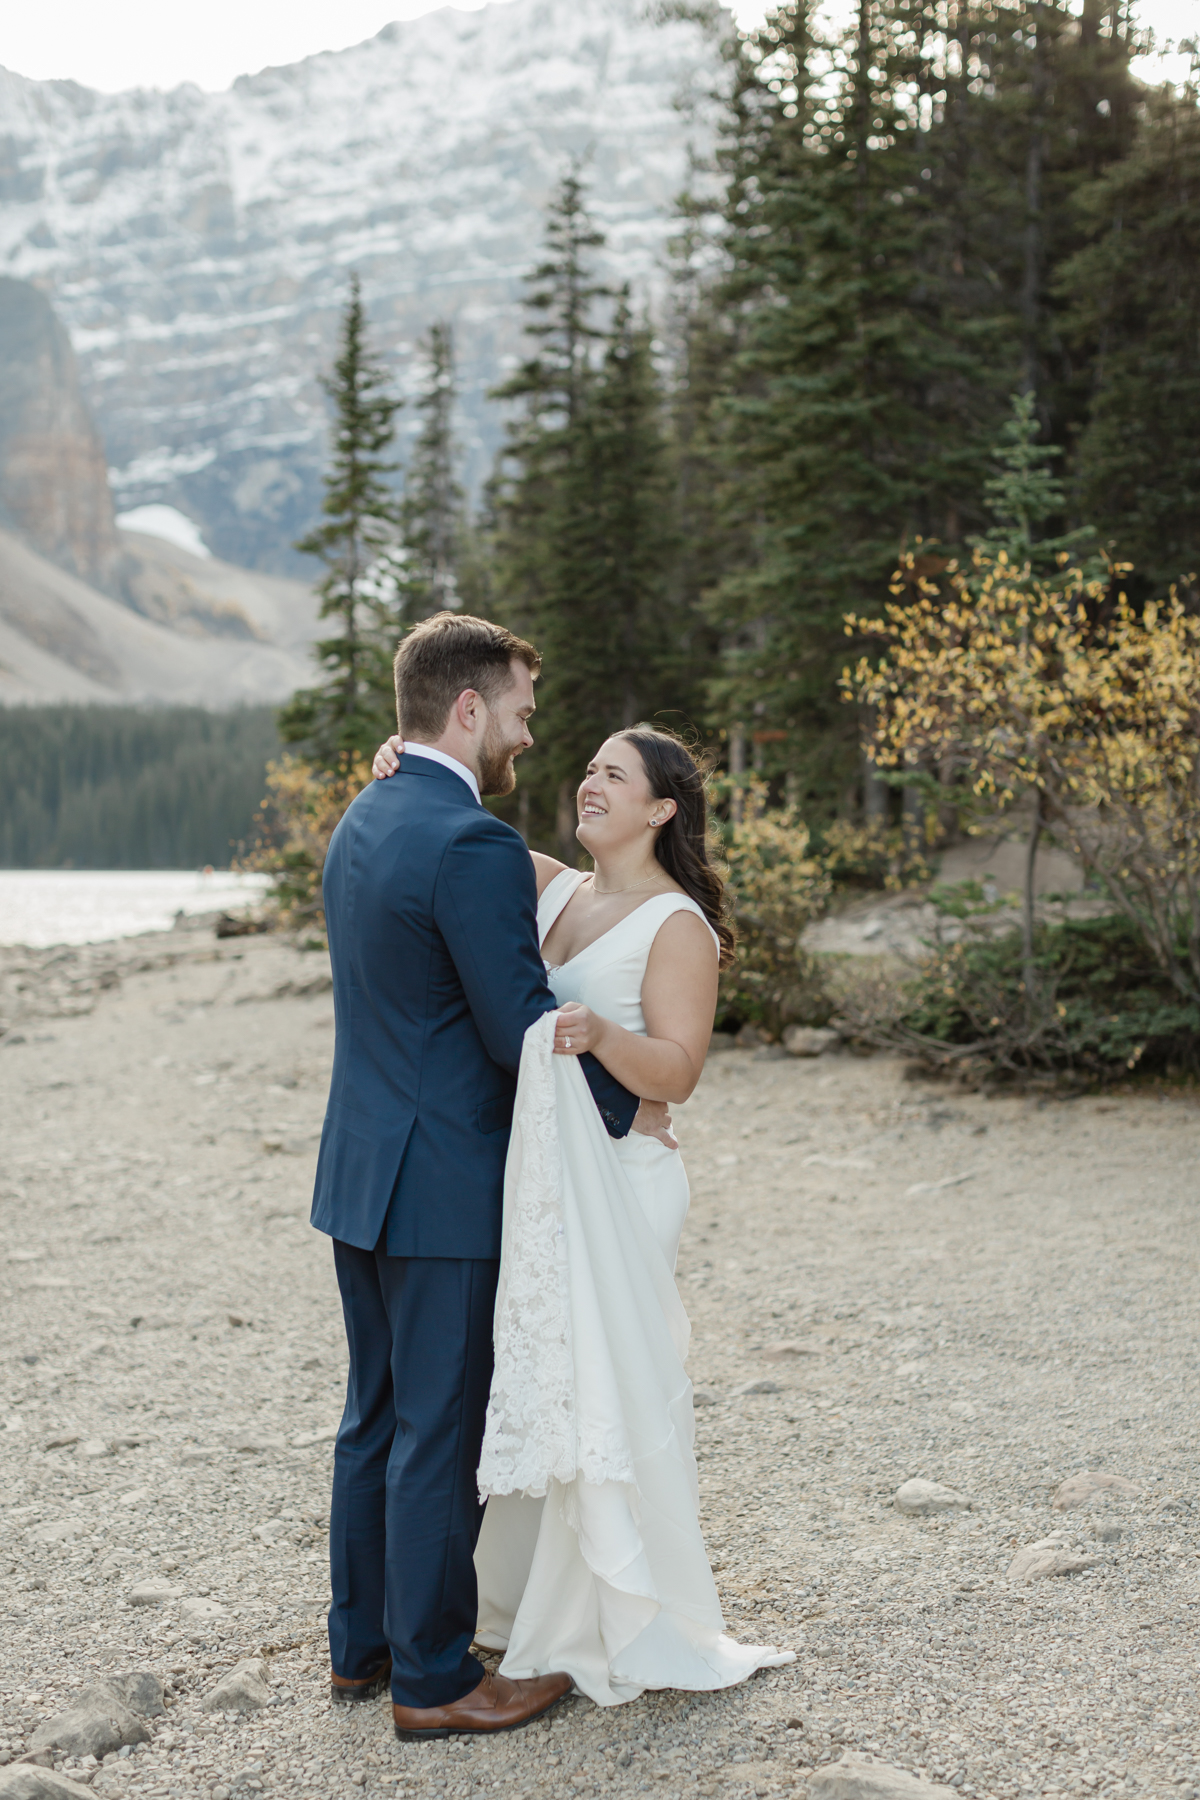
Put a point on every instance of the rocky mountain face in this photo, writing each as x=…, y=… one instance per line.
x=72, y=584
x=62, y=640
x=53, y=476
x=198, y=246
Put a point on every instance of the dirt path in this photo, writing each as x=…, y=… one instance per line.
x=884, y=1281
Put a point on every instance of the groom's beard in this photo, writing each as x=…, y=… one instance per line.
x=496, y=772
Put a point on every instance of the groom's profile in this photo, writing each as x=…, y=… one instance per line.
x=431, y=908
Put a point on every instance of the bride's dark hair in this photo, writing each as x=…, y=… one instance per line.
x=684, y=844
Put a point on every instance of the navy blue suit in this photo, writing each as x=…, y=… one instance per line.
x=431, y=908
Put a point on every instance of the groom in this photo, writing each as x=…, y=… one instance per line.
x=431, y=909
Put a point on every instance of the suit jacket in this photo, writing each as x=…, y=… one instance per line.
x=431, y=907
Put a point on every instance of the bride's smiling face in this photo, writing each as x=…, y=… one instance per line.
x=615, y=804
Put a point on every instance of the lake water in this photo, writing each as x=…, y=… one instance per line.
x=89, y=906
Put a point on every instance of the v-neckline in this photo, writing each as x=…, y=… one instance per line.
x=556, y=968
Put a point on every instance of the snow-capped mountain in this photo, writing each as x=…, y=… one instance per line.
x=198, y=246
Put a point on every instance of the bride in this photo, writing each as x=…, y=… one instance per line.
x=591, y=1559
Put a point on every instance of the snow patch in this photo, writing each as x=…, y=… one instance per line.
x=165, y=522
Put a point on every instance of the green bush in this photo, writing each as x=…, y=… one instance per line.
x=1101, y=1009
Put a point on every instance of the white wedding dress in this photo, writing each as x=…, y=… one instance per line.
x=591, y=1559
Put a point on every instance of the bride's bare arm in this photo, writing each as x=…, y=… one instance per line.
x=545, y=869
x=679, y=1000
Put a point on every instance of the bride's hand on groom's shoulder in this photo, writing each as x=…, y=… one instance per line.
x=387, y=757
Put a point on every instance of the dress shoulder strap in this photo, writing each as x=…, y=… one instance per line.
x=555, y=895
x=654, y=913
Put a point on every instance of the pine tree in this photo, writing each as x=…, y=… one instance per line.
x=343, y=719
x=582, y=537
x=893, y=230
x=1132, y=299
x=702, y=341
x=433, y=522
x=1024, y=492
x=546, y=391
x=851, y=416
x=604, y=625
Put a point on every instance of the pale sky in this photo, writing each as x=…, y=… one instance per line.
x=114, y=44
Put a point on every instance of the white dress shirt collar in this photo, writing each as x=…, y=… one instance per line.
x=447, y=762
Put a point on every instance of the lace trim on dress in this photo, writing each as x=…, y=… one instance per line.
x=536, y=1432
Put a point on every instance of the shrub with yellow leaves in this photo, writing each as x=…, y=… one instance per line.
x=1046, y=687
x=299, y=815
x=776, y=886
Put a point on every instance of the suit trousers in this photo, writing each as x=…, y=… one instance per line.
x=405, y=1513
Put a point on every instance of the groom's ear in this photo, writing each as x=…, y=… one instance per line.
x=466, y=709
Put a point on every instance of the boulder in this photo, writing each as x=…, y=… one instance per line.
x=142, y=1692
x=100, y=1720
x=1049, y=1556
x=810, y=1040
x=152, y=1593
x=200, y=1610
x=26, y=1781
x=855, y=1777
x=244, y=1689
x=1077, y=1489
x=920, y=1499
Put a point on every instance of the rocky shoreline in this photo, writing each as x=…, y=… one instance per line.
x=887, y=1285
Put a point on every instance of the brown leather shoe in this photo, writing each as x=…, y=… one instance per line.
x=497, y=1704
x=344, y=1691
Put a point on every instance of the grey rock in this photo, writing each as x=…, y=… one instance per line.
x=757, y=1387
x=792, y=1347
x=919, y=1499
x=152, y=1593
x=810, y=1040
x=25, y=1781
x=1108, y=1533
x=855, y=1777
x=244, y=1689
x=100, y=1720
x=308, y=1438
x=197, y=1608
x=1048, y=1556
x=93, y=1449
x=1080, y=1488
x=142, y=1692
x=56, y=1531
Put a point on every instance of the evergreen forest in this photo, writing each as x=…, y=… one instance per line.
x=955, y=220
x=110, y=787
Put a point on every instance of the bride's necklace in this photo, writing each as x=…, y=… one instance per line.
x=625, y=890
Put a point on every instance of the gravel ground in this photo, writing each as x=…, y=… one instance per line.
x=886, y=1280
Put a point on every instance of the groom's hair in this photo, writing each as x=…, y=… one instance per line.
x=446, y=654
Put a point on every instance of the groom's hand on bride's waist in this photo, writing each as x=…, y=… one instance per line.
x=653, y=1119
